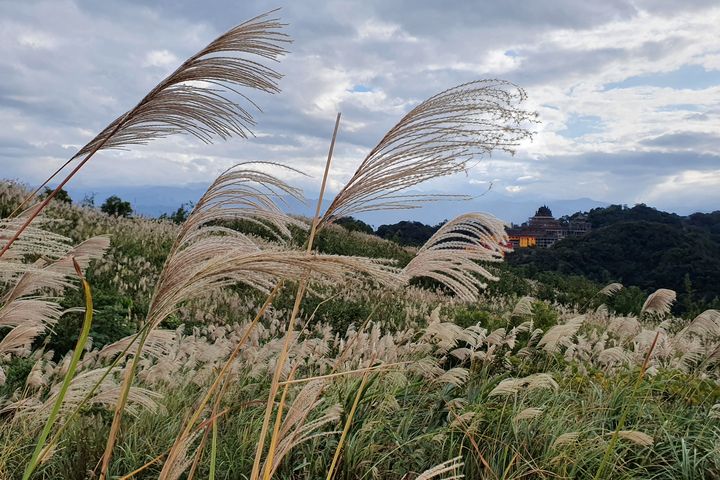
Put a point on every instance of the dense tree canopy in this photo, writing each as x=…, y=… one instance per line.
x=116, y=207
x=639, y=246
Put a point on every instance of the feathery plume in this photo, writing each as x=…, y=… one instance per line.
x=568, y=438
x=705, y=325
x=450, y=255
x=559, y=335
x=438, y=137
x=659, y=302
x=636, y=437
x=512, y=386
x=611, y=289
x=195, y=99
x=523, y=306
x=528, y=414
x=451, y=466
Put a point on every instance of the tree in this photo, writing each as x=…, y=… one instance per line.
x=62, y=195
x=180, y=215
x=116, y=207
x=88, y=200
x=354, y=225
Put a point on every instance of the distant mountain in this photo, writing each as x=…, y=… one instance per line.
x=156, y=200
x=151, y=201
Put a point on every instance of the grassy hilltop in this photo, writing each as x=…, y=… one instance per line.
x=506, y=386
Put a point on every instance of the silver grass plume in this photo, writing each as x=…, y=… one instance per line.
x=528, y=414
x=523, y=307
x=705, y=325
x=659, y=302
x=296, y=428
x=194, y=98
x=451, y=468
x=513, y=386
x=560, y=335
x=636, y=437
x=59, y=274
x=27, y=306
x=450, y=256
x=438, y=137
x=611, y=289
x=35, y=241
x=206, y=256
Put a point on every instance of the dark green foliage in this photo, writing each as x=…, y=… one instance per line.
x=116, y=207
x=338, y=241
x=180, y=215
x=16, y=372
x=407, y=233
x=354, y=225
x=641, y=247
x=61, y=196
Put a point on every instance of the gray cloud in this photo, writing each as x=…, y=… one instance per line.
x=68, y=68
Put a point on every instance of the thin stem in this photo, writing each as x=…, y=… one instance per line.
x=213, y=449
x=254, y=475
x=276, y=428
x=218, y=380
x=624, y=414
x=33, y=194
x=346, y=428
x=45, y=202
x=316, y=218
x=79, y=347
x=120, y=406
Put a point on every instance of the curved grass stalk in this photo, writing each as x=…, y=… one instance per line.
x=276, y=428
x=36, y=458
x=296, y=309
x=348, y=423
x=623, y=416
x=183, y=102
x=220, y=377
x=68, y=421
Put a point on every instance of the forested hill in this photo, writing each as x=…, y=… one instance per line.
x=639, y=246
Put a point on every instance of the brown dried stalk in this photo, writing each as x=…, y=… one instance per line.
x=296, y=309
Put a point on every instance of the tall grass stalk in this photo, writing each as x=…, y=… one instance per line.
x=296, y=309
x=172, y=454
x=67, y=380
x=623, y=416
x=348, y=423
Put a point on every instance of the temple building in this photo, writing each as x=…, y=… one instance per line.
x=542, y=230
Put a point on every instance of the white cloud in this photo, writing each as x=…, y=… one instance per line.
x=37, y=40
x=399, y=54
x=161, y=58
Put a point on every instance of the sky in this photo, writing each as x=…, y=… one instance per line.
x=627, y=92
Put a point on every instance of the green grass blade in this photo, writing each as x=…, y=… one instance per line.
x=82, y=340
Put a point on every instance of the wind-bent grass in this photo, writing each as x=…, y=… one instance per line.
x=510, y=394
x=37, y=456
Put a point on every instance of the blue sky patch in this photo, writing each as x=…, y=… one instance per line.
x=361, y=89
x=693, y=77
x=579, y=125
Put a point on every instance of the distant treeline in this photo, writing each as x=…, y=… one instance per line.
x=637, y=246
x=404, y=232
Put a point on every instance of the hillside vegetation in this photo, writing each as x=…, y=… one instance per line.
x=513, y=385
x=643, y=247
x=235, y=341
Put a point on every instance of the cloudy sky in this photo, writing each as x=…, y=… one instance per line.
x=628, y=91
